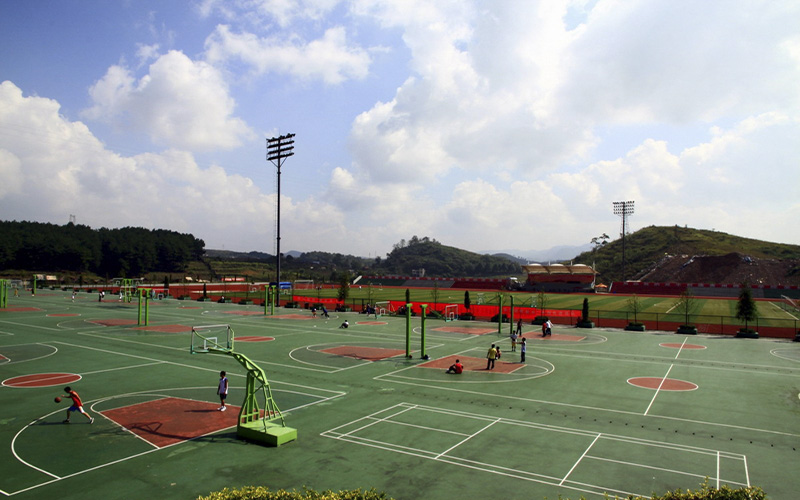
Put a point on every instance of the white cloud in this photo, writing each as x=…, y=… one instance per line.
x=330, y=58
x=179, y=103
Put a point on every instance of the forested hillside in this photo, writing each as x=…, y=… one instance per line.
x=444, y=261
x=125, y=252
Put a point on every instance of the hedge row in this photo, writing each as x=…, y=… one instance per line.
x=261, y=493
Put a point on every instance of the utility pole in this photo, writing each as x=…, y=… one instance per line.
x=623, y=209
x=279, y=148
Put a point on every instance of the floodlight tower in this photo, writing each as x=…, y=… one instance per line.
x=279, y=148
x=623, y=209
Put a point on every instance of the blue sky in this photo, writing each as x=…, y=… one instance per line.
x=487, y=125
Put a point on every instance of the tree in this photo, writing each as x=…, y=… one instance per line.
x=467, y=301
x=685, y=305
x=435, y=294
x=344, y=286
x=585, y=322
x=746, y=307
x=408, y=296
x=599, y=241
x=635, y=307
x=541, y=298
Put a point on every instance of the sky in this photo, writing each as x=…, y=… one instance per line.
x=507, y=125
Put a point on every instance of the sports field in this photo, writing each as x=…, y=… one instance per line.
x=589, y=412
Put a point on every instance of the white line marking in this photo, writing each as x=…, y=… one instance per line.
x=580, y=459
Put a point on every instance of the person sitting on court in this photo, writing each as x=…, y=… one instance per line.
x=456, y=368
x=345, y=324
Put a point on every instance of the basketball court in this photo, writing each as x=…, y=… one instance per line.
x=589, y=412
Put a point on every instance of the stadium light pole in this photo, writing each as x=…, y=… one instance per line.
x=278, y=149
x=623, y=209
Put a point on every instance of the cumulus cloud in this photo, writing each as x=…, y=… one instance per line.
x=179, y=103
x=68, y=171
x=329, y=58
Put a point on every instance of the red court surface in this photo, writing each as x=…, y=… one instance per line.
x=244, y=313
x=559, y=336
x=113, y=322
x=254, y=338
x=465, y=329
x=367, y=353
x=472, y=364
x=290, y=316
x=683, y=346
x=165, y=328
x=668, y=384
x=171, y=420
x=41, y=380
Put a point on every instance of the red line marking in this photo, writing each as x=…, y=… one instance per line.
x=254, y=338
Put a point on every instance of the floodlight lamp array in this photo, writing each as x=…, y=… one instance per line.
x=623, y=207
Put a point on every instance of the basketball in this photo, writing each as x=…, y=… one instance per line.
x=58, y=399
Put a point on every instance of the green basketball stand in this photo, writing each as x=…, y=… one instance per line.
x=266, y=426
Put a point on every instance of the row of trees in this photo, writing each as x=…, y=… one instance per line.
x=127, y=252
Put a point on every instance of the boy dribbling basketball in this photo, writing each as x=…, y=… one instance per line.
x=77, y=405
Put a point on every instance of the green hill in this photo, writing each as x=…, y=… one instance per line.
x=655, y=247
x=445, y=261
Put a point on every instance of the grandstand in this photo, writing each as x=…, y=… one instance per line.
x=561, y=278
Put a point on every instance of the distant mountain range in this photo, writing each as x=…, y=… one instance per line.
x=556, y=254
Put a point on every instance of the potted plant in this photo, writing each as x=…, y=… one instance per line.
x=635, y=307
x=585, y=322
x=685, y=304
x=746, y=311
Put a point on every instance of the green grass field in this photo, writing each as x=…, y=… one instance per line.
x=589, y=412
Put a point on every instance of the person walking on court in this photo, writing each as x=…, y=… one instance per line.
x=522, y=348
x=548, y=328
x=77, y=405
x=513, y=341
x=519, y=327
x=490, y=357
x=222, y=390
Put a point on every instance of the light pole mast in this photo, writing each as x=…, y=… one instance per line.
x=279, y=148
x=623, y=209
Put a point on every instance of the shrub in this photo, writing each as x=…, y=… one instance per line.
x=494, y=319
x=467, y=316
x=262, y=493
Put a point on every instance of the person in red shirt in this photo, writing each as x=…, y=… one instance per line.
x=77, y=405
x=456, y=367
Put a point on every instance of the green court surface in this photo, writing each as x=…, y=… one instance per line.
x=590, y=411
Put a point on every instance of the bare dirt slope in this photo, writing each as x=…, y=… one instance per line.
x=731, y=268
